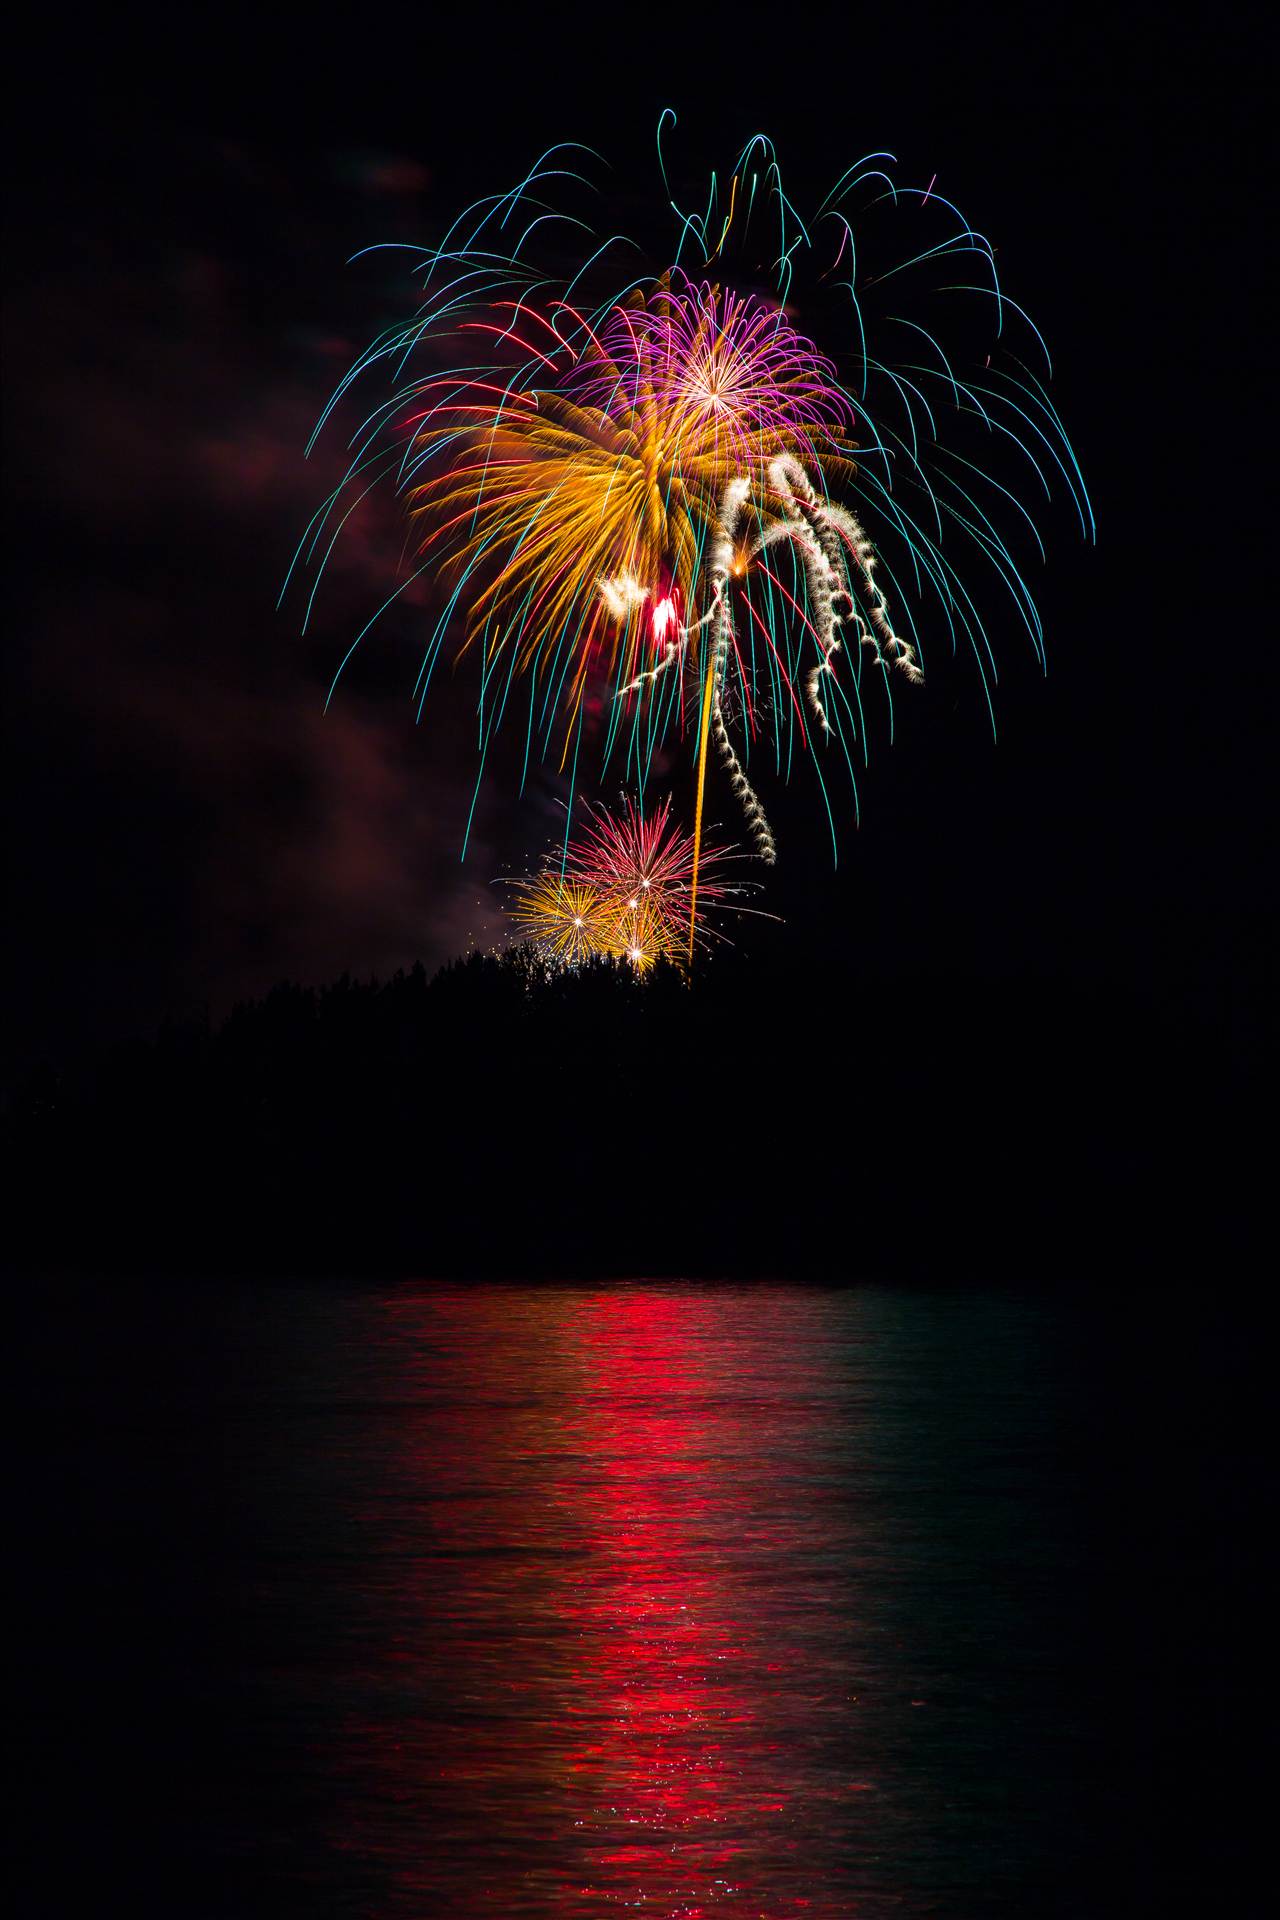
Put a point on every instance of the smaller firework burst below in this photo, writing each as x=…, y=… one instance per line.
x=623, y=888
x=565, y=919
x=647, y=859
x=640, y=933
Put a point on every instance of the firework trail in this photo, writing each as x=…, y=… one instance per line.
x=628, y=472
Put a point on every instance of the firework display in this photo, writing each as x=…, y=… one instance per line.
x=624, y=887
x=658, y=514
x=568, y=921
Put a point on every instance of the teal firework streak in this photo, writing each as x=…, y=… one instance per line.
x=657, y=484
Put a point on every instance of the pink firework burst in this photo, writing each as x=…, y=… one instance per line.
x=719, y=367
x=644, y=862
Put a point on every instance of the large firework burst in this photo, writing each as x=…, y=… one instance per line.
x=666, y=490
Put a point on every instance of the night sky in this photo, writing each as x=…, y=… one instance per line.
x=189, y=826
x=1016, y=1034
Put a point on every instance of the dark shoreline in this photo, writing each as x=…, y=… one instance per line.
x=482, y=1124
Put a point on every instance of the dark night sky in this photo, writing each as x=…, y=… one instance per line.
x=188, y=824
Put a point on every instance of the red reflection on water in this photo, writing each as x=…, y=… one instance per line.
x=588, y=1693
x=684, y=1766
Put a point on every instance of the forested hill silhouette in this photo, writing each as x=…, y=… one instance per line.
x=498, y=1119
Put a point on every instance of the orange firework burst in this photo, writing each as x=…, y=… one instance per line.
x=567, y=920
x=565, y=510
x=641, y=934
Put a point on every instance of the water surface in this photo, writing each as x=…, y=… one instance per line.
x=524, y=1601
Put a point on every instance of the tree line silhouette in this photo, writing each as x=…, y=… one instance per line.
x=503, y=1118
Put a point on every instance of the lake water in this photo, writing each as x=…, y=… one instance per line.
x=521, y=1601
